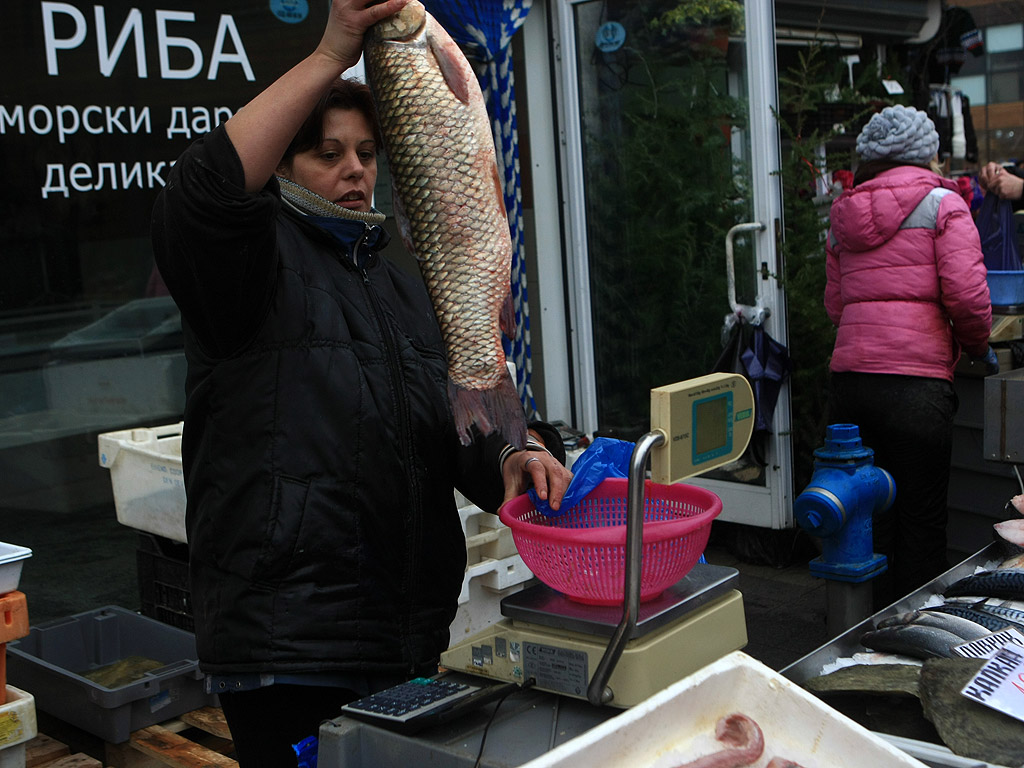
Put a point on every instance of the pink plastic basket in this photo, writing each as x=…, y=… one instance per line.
x=582, y=553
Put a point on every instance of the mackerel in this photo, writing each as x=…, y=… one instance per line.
x=961, y=626
x=1003, y=582
x=989, y=621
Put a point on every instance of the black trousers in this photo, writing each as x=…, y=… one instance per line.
x=908, y=422
x=266, y=722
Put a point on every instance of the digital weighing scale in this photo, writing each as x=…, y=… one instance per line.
x=621, y=655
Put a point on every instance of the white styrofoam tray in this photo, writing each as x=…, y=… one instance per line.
x=678, y=724
x=12, y=558
x=147, y=479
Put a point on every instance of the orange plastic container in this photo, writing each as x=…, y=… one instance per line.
x=13, y=626
x=13, y=616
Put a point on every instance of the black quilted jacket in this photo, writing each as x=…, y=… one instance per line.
x=319, y=449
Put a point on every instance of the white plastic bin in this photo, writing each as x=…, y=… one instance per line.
x=677, y=725
x=12, y=558
x=494, y=569
x=148, y=484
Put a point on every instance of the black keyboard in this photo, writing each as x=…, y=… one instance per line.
x=423, y=701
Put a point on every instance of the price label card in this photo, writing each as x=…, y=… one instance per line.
x=1000, y=683
x=987, y=647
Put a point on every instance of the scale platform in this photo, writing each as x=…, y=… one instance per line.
x=558, y=643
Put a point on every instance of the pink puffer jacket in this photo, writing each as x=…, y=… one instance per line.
x=906, y=277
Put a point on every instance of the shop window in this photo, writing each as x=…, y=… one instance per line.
x=973, y=87
x=1005, y=37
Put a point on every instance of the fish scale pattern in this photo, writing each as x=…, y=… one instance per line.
x=484, y=28
x=442, y=164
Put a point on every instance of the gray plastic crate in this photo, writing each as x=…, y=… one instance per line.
x=50, y=660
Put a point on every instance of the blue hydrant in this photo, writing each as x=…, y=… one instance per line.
x=845, y=492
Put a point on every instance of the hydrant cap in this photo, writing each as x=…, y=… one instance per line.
x=842, y=442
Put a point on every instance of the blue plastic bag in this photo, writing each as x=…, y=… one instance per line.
x=604, y=458
x=306, y=752
x=998, y=231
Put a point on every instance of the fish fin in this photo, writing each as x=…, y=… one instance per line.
x=499, y=189
x=404, y=229
x=456, y=70
x=490, y=409
x=507, y=318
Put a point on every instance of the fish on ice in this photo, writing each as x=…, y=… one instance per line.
x=916, y=640
x=450, y=208
x=1002, y=582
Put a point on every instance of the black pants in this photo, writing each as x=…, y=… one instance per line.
x=908, y=422
x=266, y=722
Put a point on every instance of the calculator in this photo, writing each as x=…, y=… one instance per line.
x=422, y=701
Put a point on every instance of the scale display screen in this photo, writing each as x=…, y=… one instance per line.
x=712, y=427
x=707, y=422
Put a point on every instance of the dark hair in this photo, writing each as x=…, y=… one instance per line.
x=343, y=94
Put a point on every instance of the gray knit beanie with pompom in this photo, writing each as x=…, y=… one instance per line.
x=899, y=134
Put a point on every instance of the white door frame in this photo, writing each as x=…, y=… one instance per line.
x=550, y=24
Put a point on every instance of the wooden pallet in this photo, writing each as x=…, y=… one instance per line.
x=154, y=747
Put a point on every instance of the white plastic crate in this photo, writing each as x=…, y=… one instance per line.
x=677, y=725
x=146, y=475
x=493, y=570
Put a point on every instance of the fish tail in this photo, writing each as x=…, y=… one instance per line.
x=491, y=409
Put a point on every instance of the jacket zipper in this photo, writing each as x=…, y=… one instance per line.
x=405, y=430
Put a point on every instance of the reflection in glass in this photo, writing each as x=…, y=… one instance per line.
x=665, y=173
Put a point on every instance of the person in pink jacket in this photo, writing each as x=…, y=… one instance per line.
x=906, y=289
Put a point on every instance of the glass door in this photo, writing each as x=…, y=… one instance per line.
x=671, y=149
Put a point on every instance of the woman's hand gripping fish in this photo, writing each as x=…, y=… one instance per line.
x=744, y=744
x=450, y=208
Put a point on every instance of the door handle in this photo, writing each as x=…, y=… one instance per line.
x=755, y=315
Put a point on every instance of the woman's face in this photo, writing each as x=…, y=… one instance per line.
x=343, y=168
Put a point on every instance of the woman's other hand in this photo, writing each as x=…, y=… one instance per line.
x=537, y=468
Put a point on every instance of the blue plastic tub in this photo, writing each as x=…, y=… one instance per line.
x=1006, y=288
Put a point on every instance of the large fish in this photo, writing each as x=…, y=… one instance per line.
x=450, y=208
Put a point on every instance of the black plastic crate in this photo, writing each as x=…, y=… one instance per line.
x=164, y=594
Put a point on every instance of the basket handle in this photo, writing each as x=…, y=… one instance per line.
x=598, y=691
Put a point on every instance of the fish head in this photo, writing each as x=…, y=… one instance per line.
x=408, y=24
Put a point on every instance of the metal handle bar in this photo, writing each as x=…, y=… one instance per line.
x=598, y=691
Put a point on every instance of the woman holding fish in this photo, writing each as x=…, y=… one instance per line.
x=906, y=288
x=320, y=448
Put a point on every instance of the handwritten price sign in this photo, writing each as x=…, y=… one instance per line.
x=1000, y=683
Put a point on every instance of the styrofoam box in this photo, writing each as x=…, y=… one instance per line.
x=494, y=569
x=147, y=480
x=12, y=558
x=17, y=718
x=678, y=724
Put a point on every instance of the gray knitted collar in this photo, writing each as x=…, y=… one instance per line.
x=311, y=204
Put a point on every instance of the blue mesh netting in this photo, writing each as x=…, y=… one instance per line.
x=484, y=30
